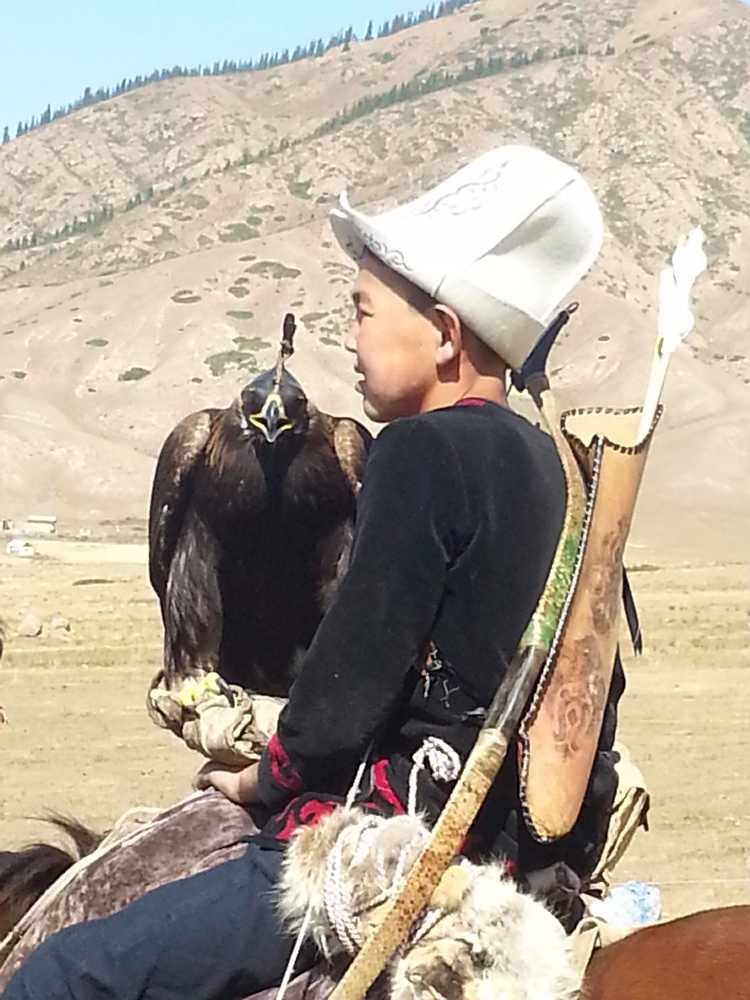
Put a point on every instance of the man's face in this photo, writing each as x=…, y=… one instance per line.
x=394, y=343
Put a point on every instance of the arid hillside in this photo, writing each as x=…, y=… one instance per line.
x=162, y=234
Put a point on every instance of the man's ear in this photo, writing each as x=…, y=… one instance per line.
x=448, y=325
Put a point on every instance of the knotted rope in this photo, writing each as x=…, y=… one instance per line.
x=442, y=760
x=361, y=840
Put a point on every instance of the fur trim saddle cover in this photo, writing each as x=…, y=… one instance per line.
x=480, y=939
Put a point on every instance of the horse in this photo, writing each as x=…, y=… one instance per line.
x=701, y=955
x=26, y=874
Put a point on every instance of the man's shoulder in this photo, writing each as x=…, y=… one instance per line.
x=457, y=422
x=408, y=432
x=452, y=421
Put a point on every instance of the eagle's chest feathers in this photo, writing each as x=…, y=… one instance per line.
x=296, y=492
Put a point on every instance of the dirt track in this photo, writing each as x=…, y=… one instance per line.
x=79, y=740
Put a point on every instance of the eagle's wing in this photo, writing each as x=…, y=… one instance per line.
x=351, y=443
x=170, y=492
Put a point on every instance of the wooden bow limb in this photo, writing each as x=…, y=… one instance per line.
x=500, y=726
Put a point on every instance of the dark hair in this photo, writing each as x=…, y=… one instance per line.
x=411, y=293
x=417, y=298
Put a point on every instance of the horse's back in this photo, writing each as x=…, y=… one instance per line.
x=704, y=955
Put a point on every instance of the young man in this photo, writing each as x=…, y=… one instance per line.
x=457, y=523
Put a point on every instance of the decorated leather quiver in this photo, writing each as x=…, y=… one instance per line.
x=559, y=734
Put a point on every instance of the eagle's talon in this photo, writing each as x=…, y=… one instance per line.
x=227, y=691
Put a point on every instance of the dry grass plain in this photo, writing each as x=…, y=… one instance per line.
x=79, y=739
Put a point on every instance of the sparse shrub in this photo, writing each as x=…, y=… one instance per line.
x=242, y=358
x=134, y=374
x=274, y=269
x=185, y=297
x=300, y=189
x=251, y=343
x=97, y=342
x=225, y=361
x=238, y=232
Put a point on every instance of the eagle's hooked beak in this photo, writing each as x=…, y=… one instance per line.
x=272, y=419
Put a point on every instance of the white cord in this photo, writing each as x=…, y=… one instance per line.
x=443, y=761
x=445, y=765
x=302, y=932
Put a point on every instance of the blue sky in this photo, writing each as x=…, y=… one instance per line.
x=51, y=49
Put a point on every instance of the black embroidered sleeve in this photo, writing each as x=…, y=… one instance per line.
x=354, y=676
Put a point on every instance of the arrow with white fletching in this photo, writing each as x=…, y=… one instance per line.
x=675, y=317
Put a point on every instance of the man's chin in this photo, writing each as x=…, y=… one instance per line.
x=381, y=412
x=372, y=412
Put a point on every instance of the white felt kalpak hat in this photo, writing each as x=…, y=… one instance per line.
x=503, y=241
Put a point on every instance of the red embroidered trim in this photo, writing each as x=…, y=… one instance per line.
x=282, y=771
x=383, y=787
x=290, y=825
x=314, y=810
x=308, y=814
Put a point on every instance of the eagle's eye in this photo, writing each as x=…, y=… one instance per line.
x=252, y=401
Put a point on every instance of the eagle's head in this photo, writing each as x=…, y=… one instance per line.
x=274, y=406
x=274, y=402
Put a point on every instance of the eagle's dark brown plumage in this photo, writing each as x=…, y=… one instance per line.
x=250, y=522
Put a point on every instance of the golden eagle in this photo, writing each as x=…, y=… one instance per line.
x=250, y=524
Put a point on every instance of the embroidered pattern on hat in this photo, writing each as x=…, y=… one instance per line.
x=469, y=197
x=394, y=258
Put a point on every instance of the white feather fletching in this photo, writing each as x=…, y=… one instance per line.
x=676, y=319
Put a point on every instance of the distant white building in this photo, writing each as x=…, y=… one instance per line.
x=20, y=547
x=40, y=524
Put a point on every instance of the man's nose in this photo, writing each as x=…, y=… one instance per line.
x=350, y=340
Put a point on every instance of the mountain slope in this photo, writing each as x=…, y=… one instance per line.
x=109, y=335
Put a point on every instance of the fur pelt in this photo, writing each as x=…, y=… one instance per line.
x=480, y=939
x=495, y=943
x=347, y=861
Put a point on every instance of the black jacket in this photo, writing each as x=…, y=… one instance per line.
x=457, y=523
